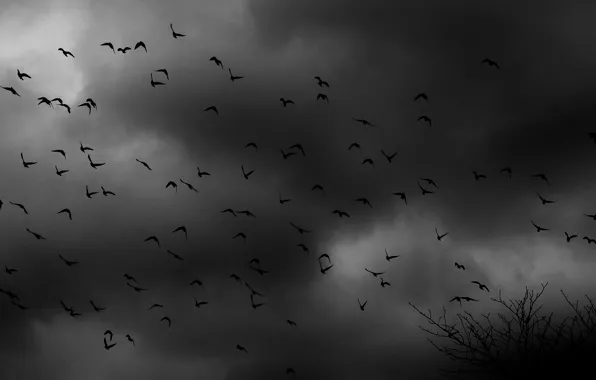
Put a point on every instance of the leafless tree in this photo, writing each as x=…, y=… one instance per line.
x=519, y=343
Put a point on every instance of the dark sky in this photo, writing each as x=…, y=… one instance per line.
x=532, y=114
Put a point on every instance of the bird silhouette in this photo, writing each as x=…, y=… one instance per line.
x=590, y=240
x=322, y=97
x=285, y=102
x=317, y=187
x=129, y=338
x=155, y=305
x=66, y=211
x=197, y=282
x=490, y=62
x=286, y=155
x=10, y=270
x=139, y=45
x=109, y=332
x=569, y=237
x=507, y=170
x=86, y=104
x=424, y=191
x=143, y=163
x=364, y=201
x=153, y=238
x=459, y=299
x=136, y=288
x=68, y=262
x=19, y=206
x=542, y=177
x=124, y=49
x=246, y=212
x=253, y=304
x=84, y=148
x=181, y=229
x=281, y=200
x=234, y=276
x=106, y=192
x=481, y=286
x=201, y=303
x=95, y=165
x=388, y=157
x=26, y=164
x=544, y=201
x=201, y=174
x=321, y=82
x=108, y=346
x=174, y=34
x=11, y=90
x=217, y=62
x=368, y=161
x=97, y=308
x=129, y=277
x=384, y=283
x=375, y=274
x=173, y=184
x=354, y=145
x=229, y=210
x=478, y=176
x=176, y=256
x=363, y=122
x=44, y=100
x=430, y=182
x=22, y=76
x=241, y=348
x=324, y=270
x=66, y=53
x=89, y=194
x=403, y=195
x=251, y=144
x=163, y=71
x=232, y=77
x=421, y=96
x=35, y=234
x=439, y=237
x=245, y=174
x=389, y=258
x=240, y=234
x=212, y=108
x=299, y=147
x=340, y=213
x=253, y=291
x=426, y=119
x=167, y=319
x=190, y=187
x=299, y=229
x=460, y=266
x=290, y=322
x=156, y=83
x=110, y=45
x=64, y=105
x=538, y=228
x=362, y=305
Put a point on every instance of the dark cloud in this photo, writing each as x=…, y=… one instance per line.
x=532, y=115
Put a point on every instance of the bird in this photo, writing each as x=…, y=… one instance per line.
x=299, y=147
x=324, y=270
x=421, y=96
x=97, y=308
x=507, y=170
x=544, y=201
x=245, y=212
x=141, y=44
x=299, y=229
x=542, y=177
x=481, y=286
x=168, y=320
x=108, y=332
x=251, y=144
x=255, y=305
x=290, y=371
x=459, y=299
x=286, y=102
x=354, y=145
x=201, y=174
x=84, y=148
x=439, y=237
x=95, y=165
x=124, y=49
x=86, y=104
x=173, y=184
x=174, y=34
x=403, y=195
x=368, y=161
x=240, y=234
x=363, y=122
x=217, y=62
x=229, y=210
x=232, y=77
x=190, y=187
x=67, y=211
x=252, y=290
x=212, y=108
x=569, y=237
x=317, y=187
x=389, y=258
x=58, y=100
x=66, y=53
x=129, y=277
x=384, y=283
x=245, y=174
x=241, y=348
x=155, y=305
x=324, y=255
x=364, y=201
x=177, y=257
x=340, y=213
x=590, y=241
x=19, y=205
x=11, y=90
x=197, y=282
x=90, y=101
x=538, y=228
x=153, y=238
x=303, y=247
x=430, y=182
x=593, y=216
x=108, y=346
x=155, y=83
x=136, y=288
x=362, y=305
x=375, y=274
x=44, y=100
x=106, y=192
x=281, y=200
x=478, y=176
x=89, y=194
x=130, y=339
x=425, y=118
x=165, y=72
x=322, y=97
x=490, y=62
x=64, y=105
x=10, y=270
x=234, y=276
x=68, y=262
x=201, y=303
x=35, y=234
x=388, y=157
x=460, y=266
x=108, y=44
x=26, y=164
x=181, y=229
x=321, y=82
x=290, y=322
x=22, y=76
x=143, y=163
x=424, y=191
x=286, y=155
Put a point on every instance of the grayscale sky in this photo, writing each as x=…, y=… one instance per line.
x=532, y=115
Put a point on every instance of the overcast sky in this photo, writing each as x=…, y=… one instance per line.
x=532, y=114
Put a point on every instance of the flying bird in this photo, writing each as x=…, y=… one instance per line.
x=89, y=194
x=322, y=97
x=460, y=266
x=490, y=62
x=197, y=282
x=384, y=283
x=389, y=258
x=375, y=274
x=245, y=174
x=108, y=332
x=424, y=191
x=281, y=200
x=321, y=82
x=388, y=157
x=66, y=211
x=217, y=62
x=340, y=213
x=66, y=53
x=11, y=90
x=403, y=195
x=255, y=305
x=155, y=305
x=26, y=164
x=64, y=105
x=190, y=187
x=44, y=100
x=354, y=145
x=153, y=238
x=430, y=182
x=317, y=187
x=426, y=119
x=363, y=122
x=68, y=262
x=168, y=320
x=459, y=299
x=542, y=177
x=19, y=205
x=507, y=170
x=108, y=346
x=21, y=75
x=362, y=305
x=97, y=308
x=94, y=165
x=143, y=163
x=173, y=184
x=286, y=102
x=177, y=257
x=251, y=144
x=86, y=104
x=136, y=288
x=232, y=77
x=324, y=270
x=439, y=237
x=538, y=228
x=212, y=108
x=36, y=235
x=368, y=161
x=478, y=176
x=290, y=322
x=130, y=339
x=200, y=173
x=181, y=229
x=299, y=229
x=299, y=147
x=109, y=44
x=141, y=44
x=163, y=71
x=84, y=148
x=106, y=192
x=229, y=210
x=421, y=96
x=590, y=240
x=10, y=270
x=286, y=155
x=124, y=49
x=241, y=348
x=174, y=34
x=156, y=83
x=201, y=303
x=569, y=237
x=240, y=234
x=481, y=286
x=544, y=201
